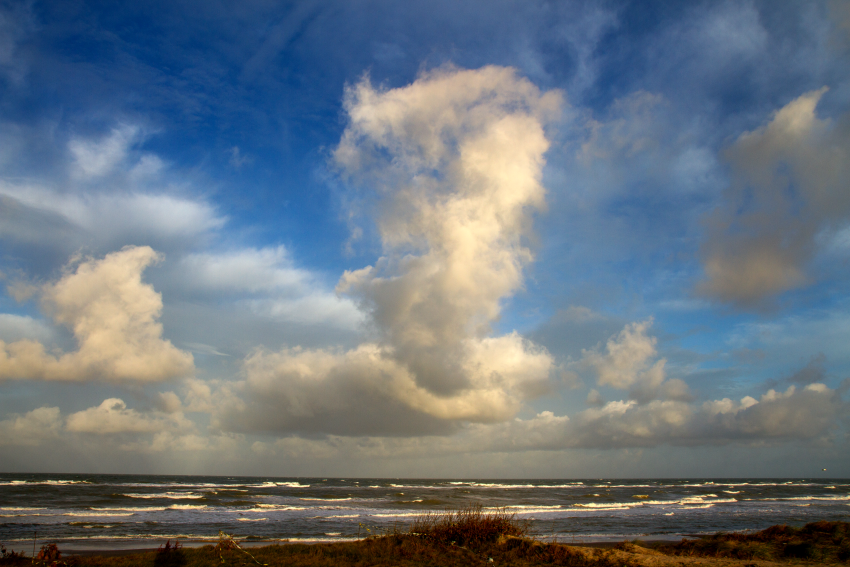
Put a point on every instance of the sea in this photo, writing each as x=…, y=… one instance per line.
x=100, y=512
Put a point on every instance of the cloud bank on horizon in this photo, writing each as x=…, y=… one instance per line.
x=605, y=272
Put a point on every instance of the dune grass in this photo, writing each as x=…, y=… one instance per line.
x=824, y=542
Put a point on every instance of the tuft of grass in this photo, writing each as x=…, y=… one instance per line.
x=170, y=555
x=468, y=526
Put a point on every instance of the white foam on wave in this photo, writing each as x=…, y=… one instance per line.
x=318, y=539
x=97, y=514
x=327, y=499
x=608, y=505
x=273, y=484
x=169, y=495
x=520, y=510
x=494, y=485
x=43, y=482
x=135, y=537
x=252, y=519
x=822, y=498
x=173, y=485
x=399, y=514
x=527, y=507
x=186, y=506
x=131, y=509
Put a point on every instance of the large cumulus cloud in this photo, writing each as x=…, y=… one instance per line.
x=450, y=169
x=114, y=318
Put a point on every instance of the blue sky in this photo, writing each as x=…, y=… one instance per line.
x=490, y=239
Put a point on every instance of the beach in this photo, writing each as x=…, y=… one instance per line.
x=475, y=537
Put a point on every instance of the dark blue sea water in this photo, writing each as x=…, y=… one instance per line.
x=115, y=511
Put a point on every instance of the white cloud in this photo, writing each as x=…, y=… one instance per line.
x=268, y=282
x=629, y=361
x=796, y=414
x=33, y=428
x=452, y=164
x=118, y=216
x=95, y=158
x=626, y=358
x=114, y=318
x=331, y=391
x=789, y=186
x=112, y=416
x=198, y=397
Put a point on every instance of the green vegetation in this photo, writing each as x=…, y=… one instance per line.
x=825, y=542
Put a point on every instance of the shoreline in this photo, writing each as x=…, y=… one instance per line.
x=471, y=538
x=125, y=547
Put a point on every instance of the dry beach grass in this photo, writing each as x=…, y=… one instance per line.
x=471, y=537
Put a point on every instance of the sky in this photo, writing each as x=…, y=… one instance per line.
x=489, y=239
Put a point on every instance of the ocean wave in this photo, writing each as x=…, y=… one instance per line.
x=186, y=506
x=274, y=508
x=131, y=509
x=252, y=519
x=173, y=485
x=526, y=506
x=699, y=499
x=398, y=514
x=608, y=505
x=521, y=510
x=43, y=482
x=169, y=495
x=318, y=539
x=472, y=484
x=97, y=514
x=134, y=537
x=329, y=499
x=273, y=484
x=795, y=498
